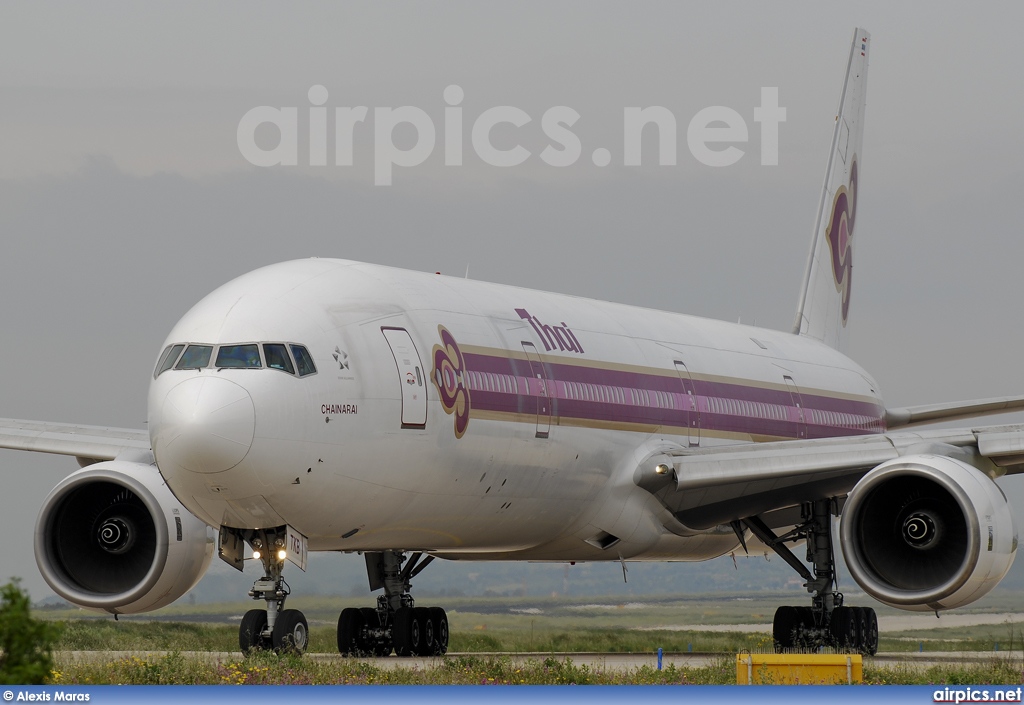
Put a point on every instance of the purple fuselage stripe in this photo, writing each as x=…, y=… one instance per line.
x=612, y=397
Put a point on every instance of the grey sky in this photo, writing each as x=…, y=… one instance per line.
x=124, y=199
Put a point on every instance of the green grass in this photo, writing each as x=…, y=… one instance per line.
x=996, y=671
x=265, y=669
x=107, y=635
x=981, y=637
x=483, y=627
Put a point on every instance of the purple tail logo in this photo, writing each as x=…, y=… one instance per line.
x=449, y=378
x=840, y=236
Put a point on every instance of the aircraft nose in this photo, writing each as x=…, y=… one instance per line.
x=206, y=425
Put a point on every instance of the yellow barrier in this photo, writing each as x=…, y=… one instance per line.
x=798, y=669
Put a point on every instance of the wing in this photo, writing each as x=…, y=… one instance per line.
x=932, y=413
x=712, y=486
x=87, y=443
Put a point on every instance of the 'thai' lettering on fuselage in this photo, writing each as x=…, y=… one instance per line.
x=552, y=337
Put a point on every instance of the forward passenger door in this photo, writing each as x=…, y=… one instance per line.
x=411, y=377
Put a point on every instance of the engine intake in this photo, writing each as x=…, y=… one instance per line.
x=112, y=537
x=927, y=532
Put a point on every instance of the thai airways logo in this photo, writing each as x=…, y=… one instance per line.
x=552, y=337
x=840, y=236
x=449, y=378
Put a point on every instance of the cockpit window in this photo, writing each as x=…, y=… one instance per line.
x=195, y=356
x=168, y=359
x=239, y=356
x=277, y=357
x=303, y=360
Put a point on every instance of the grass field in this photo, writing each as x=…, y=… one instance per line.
x=518, y=625
x=267, y=668
x=513, y=626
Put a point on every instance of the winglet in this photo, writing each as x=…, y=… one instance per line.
x=825, y=299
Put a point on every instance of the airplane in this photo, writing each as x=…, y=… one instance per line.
x=332, y=405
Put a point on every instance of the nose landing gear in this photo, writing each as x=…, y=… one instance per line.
x=396, y=623
x=282, y=630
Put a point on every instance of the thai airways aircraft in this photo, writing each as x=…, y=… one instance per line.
x=329, y=405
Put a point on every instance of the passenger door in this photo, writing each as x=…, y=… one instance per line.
x=798, y=402
x=539, y=386
x=692, y=411
x=411, y=376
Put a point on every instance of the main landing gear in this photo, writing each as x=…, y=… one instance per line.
x=275, y=627
x=827, y=622
x=396, y=623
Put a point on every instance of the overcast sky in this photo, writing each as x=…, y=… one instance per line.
x=124, y=197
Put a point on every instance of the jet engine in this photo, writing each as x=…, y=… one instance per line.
x=927, y=532
x=111, y=537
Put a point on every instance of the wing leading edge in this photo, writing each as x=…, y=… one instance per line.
x=87, y=443
x=713, y=486
x=951, y=411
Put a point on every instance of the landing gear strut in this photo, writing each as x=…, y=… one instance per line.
x=274, y=627
x=827, y=622
x=396, y=623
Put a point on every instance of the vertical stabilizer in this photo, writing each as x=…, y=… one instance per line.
x=825, y=299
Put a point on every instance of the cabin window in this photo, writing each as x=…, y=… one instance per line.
x=303, y=360
x=195, y=357
x=239, y=356
x=168, y=358
x=277, y=357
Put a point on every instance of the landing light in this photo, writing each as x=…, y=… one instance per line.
x=662, y=468
x=282, y=554
x=256, y=555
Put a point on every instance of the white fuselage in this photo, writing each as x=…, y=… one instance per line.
x=470, y=419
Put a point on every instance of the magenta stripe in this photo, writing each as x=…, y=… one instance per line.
x=662, y=383
x=616, y=396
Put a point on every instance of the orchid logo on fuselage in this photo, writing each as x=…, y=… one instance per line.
x=552, y=337
x=840, y=236
x=449, y=378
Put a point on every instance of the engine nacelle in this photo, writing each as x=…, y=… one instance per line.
x=927, y=532
x=112, y=537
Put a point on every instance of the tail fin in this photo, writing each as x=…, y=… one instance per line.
x=825, y=299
